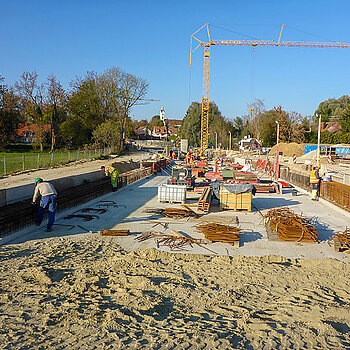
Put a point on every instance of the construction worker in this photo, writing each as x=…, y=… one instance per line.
x=113, y=173
x=173, y=155
x=188, y=158
x=315, y=182
x=48, y=198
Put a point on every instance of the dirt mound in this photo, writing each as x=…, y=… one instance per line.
x=288, y=149
x=89, y=293
x=124, y=167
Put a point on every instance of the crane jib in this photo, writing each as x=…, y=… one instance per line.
x=272, y=43
x=252, y=43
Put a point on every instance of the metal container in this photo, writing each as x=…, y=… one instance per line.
x=172, y=193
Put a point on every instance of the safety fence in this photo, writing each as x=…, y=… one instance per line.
x=295, y=178
x=18, y=215
x=334, y=192
x=12, y=163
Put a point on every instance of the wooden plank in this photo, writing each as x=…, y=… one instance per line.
x=114, y=232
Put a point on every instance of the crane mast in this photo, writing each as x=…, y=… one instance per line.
x=253, y=43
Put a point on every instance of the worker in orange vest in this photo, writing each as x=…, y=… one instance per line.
x=315, y=182
x=173, y=155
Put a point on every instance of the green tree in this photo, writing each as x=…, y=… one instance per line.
x=56, y=107
x=98, y=98
x=268, y=128
x=345, y=120
x=108, y=134
x=9, y=113
x=155, y=121
x=191, y=125
x=32, y=99
x=74, y=132
x=86, y=101
x=253, y=118
x=333, y=108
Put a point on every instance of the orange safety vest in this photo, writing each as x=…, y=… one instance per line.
x=313, y=178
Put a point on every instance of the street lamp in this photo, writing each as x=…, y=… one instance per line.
x=278, y=149
x=318, y=138
x=216, y=141
x=230, y=140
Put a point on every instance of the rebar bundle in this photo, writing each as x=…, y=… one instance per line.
x=341, y=241
x=220, y=233
x=174, y=242
x=173, y=213
x=290, y=226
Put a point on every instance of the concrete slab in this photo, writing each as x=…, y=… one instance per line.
x=254, y=241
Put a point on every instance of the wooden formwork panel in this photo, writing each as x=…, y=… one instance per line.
x=232, y=201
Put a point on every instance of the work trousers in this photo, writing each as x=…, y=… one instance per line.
x=47, y=201
x=315, y=190
x=114, y=178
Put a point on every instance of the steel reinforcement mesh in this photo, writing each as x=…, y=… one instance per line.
x=334, y=192
x=20, y=214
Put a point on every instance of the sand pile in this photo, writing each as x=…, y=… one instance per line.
x=90, y=294
x=288, y=149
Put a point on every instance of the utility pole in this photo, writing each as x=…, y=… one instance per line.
x=278, y=150
x=230, y=140
x=318, y=138
x=216, y=141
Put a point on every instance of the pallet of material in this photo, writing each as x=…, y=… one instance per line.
x=232, y=201
x=242, y=176
x=265, y=188
x=214, y=232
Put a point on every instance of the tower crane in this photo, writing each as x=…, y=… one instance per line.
x=252, y=43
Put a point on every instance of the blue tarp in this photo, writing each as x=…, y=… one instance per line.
x=309, y=148
x=342, y=151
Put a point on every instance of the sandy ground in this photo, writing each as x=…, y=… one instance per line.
x=68, y=289
x=71, y=169
x=88, y=293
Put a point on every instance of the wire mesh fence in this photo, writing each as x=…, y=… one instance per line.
x=12, y=163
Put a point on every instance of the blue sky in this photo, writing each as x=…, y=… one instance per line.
x=151, y=40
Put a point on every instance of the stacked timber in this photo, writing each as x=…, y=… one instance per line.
x=114, y=232
x=233, y=201
x=245, y=177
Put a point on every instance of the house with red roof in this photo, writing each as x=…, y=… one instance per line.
x=26, y=132
x=332, y=127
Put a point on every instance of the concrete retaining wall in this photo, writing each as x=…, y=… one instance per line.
x=20, y=193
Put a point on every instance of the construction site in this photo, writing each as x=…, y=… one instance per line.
x=182, y=246
x=204, y=250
